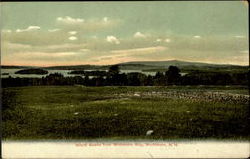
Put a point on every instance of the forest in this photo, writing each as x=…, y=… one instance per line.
x=113, y=77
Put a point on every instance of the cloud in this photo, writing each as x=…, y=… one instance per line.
x=239, y=59
x=37, y=55
x=72, y=32
x=6, y=31
x=211, y=43
x=112, y=39
x=140, y=50
x=69, y=20
x=82, y=25
x=53, y=30
x=123, y=55
x=15, y=48
x=158, y=40
x=167, y=40
x=139, y=35
x=63, y=47
x=213, y=47
x=94, y=37
x=239, y=36
x=245, y=51
x=108, y=60
x=65, y=29
x=33, y=38
x=49, y=55
x=73, y=38
x=30, y=28
x=197, y=36
x=8, y=48
x=105, y=19
x=84, y=50
x=44, y=59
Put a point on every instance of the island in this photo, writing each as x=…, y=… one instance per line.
x=89, y=73
x=5, y=73
x=35, y=71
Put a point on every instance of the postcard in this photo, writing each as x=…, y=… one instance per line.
x=129, y=79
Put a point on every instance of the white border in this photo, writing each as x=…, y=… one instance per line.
x=121, y=149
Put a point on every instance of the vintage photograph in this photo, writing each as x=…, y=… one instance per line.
x=137, y=71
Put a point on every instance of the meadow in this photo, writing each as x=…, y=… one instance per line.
x=125, y=113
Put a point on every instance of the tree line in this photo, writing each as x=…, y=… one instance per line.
x=114, y=77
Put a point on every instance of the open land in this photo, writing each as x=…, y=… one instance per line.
x=172, y=112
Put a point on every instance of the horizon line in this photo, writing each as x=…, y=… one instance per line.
x=128, y=62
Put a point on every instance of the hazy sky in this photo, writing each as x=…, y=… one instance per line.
x=73, y=33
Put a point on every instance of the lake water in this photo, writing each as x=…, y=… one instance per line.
x=65, y=73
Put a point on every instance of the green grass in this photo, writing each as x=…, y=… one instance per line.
x=75, y=112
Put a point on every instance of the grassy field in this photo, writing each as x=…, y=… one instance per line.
x=77, y=112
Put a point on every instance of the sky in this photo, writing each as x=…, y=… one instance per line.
x=100, y=33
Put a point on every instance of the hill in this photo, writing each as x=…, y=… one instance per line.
x=14, y=67
x=32, y=71
x=103, y=67
x=77, y=67
x=148, y=66
x=173, y=63
x=185, y=66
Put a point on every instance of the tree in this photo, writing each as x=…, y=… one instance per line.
x=136, y=79
x=149, y=81
x=114, y=69
x=159, y=79
x=173, y=75
x=99, y=81
x=54, y=79
x=113, y=75
x=86, y=80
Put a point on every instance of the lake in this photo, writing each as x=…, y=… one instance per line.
x=65, y=73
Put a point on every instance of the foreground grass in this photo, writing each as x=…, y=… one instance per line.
x=75, y=112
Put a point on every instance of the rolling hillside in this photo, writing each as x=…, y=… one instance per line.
x=147, y=66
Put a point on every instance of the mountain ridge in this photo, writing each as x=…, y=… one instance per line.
x=176, y=62
x=133, y=65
